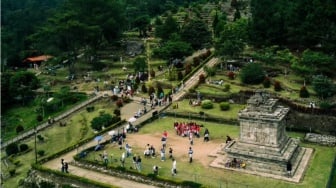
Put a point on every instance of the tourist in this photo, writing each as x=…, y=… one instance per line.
x=170, y=153
x=155, y=170
x=122, y=159
x=228, y=139
x=138, y=163
x=174, y=171
x=163, y=153
x=66, y=167
x=135, y=161
x=206, y=135
x=190, y=152
x=62, y=168
x=289, y=169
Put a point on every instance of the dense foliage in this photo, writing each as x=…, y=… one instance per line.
x=252, y=73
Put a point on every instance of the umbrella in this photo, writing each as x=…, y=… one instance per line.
x=111, y=133
x=132, y=119
x=98, y=138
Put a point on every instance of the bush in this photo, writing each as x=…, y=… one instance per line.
x=119, y=103
x=277, y=86
x=267, y=82
x=325, y=105
x=40, y=138
x=105, y=120
x=188, y=68
x=207, y=104
x=12, y=172
x=201, y=79
x=116, y=112
x=224, y=106
x=196, y=61
x=227, y=87
x=231, y=75
x=12, y=149
x=90, y=108
x=40, y=152
x=304, y=92
x=23, y=147
x=252, y=74
x=19, y=129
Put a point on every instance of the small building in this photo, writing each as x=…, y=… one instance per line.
x=36, y=61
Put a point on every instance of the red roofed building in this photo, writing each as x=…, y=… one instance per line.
x=37, y=60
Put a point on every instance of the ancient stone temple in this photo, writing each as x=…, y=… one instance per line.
x=263, y=145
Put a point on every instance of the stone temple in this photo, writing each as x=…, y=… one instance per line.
x=263, y=145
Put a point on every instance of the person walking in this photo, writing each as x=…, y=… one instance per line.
x=170, y=153
x=163, y=154
x=62, y=168
x=138, y=163
x=174, y=171
x=122, y=159
x=66, y=167
x=206, y=135
x=190, y=152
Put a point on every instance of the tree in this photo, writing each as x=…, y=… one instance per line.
x=169, y=27
x=232, y=39
x=323, y=86
x=312, y=63
x=140, y=64
x=22, y=84
x=142, y=22
x=252, y=74
x=197, y=34
x=173, y=49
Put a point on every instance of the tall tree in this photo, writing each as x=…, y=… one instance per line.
x=196, y=33
x=169, y=27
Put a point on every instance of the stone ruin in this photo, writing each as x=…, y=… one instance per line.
x=263, y=146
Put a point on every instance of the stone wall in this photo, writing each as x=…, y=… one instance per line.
x=311, y=123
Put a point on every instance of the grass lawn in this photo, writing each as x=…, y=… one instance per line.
x=184, y=107
x=56, y=138
x=316, y=175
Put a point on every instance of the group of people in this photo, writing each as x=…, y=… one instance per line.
x=235, y=163
x=186, y=128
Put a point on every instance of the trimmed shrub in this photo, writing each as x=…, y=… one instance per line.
x=196, y=61
x=188, y=68
x=40, y=138
x=267, y=82
x=41, y=152
x=304, y=92
x=207, y=104
x=23, y=147
x=231, y=75
x=117, y=112
x=12, y=149
x=227, y=87
x=224, y=106
x=119, y=103
x=90, y=108
x=201, y=79
x=19, y=129
x=12, y=172
x=277, y=86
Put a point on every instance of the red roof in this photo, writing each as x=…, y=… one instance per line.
x=38, y=58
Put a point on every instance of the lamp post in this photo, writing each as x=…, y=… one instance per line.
x=39, y=118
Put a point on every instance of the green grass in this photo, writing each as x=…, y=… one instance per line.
x=184, y=107
x=316, y=175
x=57, y=138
